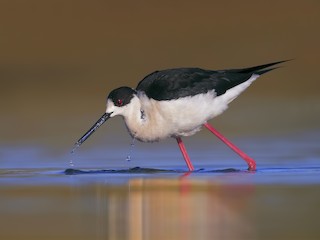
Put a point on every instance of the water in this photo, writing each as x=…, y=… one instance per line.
x=57, y=71
x=128, y=158
x=104, y=197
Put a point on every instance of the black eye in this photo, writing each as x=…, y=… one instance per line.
x=119, y=102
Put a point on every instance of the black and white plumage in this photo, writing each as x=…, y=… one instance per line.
x=177, y=102
x=183, y=82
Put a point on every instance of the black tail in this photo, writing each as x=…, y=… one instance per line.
x=261, y=69
x=233, y=77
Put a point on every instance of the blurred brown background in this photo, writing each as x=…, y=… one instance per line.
x=60, y=58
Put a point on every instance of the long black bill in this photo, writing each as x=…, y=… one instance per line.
x=101, y=120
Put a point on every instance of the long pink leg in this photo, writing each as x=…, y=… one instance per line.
x=185, y=154
x=251, y=163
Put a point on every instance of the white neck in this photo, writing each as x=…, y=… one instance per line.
x=144, y=120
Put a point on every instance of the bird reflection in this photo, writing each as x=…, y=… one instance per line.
x=174, y=209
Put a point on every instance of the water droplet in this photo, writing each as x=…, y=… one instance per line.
x=71, y=164
x=128, y=158
x=77, y=145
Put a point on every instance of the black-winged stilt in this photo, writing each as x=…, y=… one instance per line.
x=178, y=102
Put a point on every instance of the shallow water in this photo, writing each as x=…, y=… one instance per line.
x=103, y=196
x=60, y=59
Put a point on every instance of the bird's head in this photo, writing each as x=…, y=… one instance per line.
x=118, y=101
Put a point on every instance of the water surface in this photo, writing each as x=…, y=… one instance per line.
x=103, y=196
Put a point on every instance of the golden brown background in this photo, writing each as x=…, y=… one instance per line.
x=60, y=58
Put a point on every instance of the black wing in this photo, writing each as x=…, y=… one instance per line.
x=182, y=82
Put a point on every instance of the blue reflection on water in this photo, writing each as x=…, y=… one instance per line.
x=285, y=160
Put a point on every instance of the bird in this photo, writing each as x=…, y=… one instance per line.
x=179, y=102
